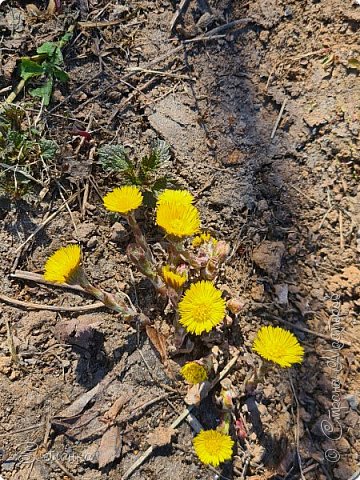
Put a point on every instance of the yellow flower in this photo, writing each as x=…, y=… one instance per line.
x=201, y=308
x=279, y=346
x=203, y=238
x=64, y=265
x=174, y=280
x=194, y=373
x=123, y=200
x=213, y=447
x=181, y=197
x=178, y=220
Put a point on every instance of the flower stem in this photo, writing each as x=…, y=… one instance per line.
x=178, y=253
x=139, y=236
x=109, y=301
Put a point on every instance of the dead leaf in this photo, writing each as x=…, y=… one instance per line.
x=9, y=67
x=87, y=427
x=197, y=392
x=159, y=342
x=110, y=446
x=161, y=436
x=81, y=402
x=77, y=331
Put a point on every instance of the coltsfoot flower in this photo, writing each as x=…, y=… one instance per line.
x=213, y=447
x=278, y=345
x=201, y=308
x=172, y=279
x=64, y=265
x=194, y=373
x=123, y=200
x=203, y=238
x=180, y=197
x=178, y=219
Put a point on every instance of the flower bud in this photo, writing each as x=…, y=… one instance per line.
x=221, y=251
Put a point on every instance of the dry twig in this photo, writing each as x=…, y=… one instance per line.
x=35, y=277
x=53, y=308
x=279, y=118
x=297, y=431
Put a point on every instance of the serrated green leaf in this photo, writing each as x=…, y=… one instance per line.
x=158, y=157
x=15, y=138
x=29, y=69
x=44, y=91
x=162, y=150
x=114, y=158
x=48, y=149
x=160, y=184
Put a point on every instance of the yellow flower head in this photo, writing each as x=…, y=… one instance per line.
x=279, y=346
x=203, y=238
x=181, y=197
x=64, y=265
x=201, y=308
x=177, y=219
x=174, y=280
x=194, y=373
x=213, y=447
x=123, y=200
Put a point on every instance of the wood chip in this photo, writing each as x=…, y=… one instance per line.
x=161, y=436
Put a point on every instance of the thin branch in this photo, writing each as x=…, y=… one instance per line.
x=53, y=308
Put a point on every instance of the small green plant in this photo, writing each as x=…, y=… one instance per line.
x=22, y=152
x=186, y=274
x=47, y=65
x=142, y=173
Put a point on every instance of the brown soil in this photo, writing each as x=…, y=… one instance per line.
x=287, y=199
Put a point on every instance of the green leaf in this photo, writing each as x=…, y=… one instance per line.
x=60, y=75
x=162, y=151
x=149, y=199
x=44, y=91
x=53, y=52
x=160, y=184
x=48, y=48
x=16, y=139
x=65, y=39
x=158, y=157
x=114, y=158
x=29, y=69
x=58, y=58
x=48, y=149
